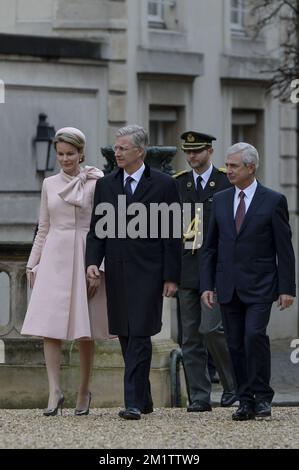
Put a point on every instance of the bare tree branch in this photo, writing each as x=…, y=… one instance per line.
x=266, y=12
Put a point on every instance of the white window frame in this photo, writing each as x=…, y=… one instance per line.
x=238, y=28
x=159, y=17
x=162, y=116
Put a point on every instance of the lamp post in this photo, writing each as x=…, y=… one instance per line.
x=45, y=152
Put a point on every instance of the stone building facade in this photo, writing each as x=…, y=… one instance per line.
x=169, y=65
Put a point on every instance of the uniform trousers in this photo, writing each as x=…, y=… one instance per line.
x=201, y=330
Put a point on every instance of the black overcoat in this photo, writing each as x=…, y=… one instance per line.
x=135, y=269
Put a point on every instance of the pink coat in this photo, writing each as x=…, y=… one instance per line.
x=58, y=306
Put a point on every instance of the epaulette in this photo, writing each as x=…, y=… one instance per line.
x=223, y=170
x=180, y=173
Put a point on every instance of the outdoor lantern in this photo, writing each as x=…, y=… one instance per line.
x=45, y=152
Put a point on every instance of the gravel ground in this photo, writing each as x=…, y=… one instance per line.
x=166, y=428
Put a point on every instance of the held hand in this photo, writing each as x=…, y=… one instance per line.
x=93, y=277
x=169, y=289
x=208, y=298
x=93, y=272
x=92, y=286
x=285, y=301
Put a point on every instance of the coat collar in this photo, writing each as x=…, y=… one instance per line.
x=210, y=188
x=142, y=187
x=119, y=172
x=255, y=204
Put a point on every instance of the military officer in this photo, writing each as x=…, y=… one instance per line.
x=201, y=328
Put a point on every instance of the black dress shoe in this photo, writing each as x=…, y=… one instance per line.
x=130, y=413
x=215, y=378
x=243, y=413
x=262, y=409
x=228, y=398
x=148, y=409
x=198, y=406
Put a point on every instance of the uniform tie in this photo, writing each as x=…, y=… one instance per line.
x=199, y=188
x=240, y=213
x=128, y=188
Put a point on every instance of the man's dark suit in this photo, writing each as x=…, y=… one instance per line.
x=250, y=270
x=135, y=271
x=201, y=329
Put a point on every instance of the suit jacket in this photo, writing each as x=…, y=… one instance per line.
x=191, y=259
x=258, y=262
x=135, y=269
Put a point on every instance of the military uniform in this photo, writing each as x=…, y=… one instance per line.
x=201, y=328
x=218, y=181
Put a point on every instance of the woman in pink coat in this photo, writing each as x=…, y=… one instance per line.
x=62, y=305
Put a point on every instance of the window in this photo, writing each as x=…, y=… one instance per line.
x=237, y=17
x=248, y=126
x=157, y=10
x=163, y=121
x=244, y=126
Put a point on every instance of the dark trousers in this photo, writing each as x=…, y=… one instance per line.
x=245, y=328
x=202, y=329
x=137, y=354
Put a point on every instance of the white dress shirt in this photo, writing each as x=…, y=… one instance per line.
x=136, y=177
x=249, y=193
x=204, y=177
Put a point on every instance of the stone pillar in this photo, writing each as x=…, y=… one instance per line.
x=13, y=260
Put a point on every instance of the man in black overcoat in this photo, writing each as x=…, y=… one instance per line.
x=140, y=270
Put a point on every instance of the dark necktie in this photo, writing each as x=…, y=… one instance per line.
x=199, y=188
x=240, y=213
x=128, y=188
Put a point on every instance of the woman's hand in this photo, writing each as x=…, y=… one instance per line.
x=93, y=280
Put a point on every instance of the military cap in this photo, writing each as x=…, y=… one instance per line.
x=196, y=140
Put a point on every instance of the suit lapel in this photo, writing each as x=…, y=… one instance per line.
x=143, y=185
x=255, y=204
x=190, y=188
x=230, y=209
x=118, y=182
x=210, y=188
x=212, y=185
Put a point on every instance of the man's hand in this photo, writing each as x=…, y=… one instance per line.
x=93, y=272
x=284, y=301
x=169, y=289
x=208, y=298
x=93, y=280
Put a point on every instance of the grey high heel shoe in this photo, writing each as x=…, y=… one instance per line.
x=53, y=411
x=86, y=411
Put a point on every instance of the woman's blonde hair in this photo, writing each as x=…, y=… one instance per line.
x=73, y=136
